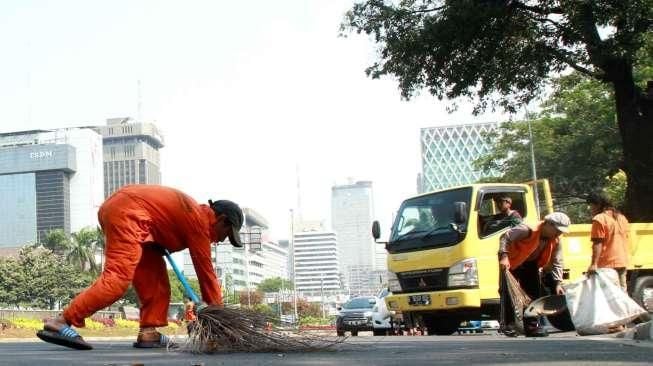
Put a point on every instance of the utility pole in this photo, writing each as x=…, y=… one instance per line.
x=293, y=277
x=533, y=169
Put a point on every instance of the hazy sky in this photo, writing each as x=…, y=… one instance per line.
x=244, y=93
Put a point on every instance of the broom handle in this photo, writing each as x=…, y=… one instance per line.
x=189, y=291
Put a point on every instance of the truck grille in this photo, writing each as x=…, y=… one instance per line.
x=423, y=280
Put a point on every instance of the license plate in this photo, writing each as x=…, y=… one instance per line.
x=419, y=300
x=354, y=322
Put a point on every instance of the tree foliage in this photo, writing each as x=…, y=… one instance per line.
x=503, y=52
x=274, y=284
x=39, y=279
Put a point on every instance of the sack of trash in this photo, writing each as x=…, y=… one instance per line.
x=513, y=305
x=597, y=304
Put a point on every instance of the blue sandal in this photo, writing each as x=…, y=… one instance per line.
x=66, y=337
x=163, y=342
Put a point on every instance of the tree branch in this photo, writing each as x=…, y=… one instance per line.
x=536, y=9
x=561, y=56
x=437, y=8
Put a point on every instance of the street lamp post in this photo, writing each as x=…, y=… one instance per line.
x=292, y=251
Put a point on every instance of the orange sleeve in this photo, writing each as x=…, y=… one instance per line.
x=599, y=229
x=200, y=253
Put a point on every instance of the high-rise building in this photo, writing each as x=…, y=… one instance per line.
x=352, y=212
x=448, y=154
x=131, y=153
x=316, y=262
x=49, y=179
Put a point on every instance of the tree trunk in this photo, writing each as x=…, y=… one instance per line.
x=635, y=119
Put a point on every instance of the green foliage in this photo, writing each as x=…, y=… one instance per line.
x=82, y=248
x=37, y=278
x=311, y=320
x=265, y=309
x=308, y=309
x=615, y=189
x=177, y=292
x=255, y=298
x=274, y=284
x=57, y=241
x=500, y=52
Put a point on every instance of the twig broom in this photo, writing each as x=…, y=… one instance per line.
x=220, y=329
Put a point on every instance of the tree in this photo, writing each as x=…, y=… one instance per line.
x=274, y=284
x=82, y=248
x=57, y=241
x=576, y=144
x=503, y=52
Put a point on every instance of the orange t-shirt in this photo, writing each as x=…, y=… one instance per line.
x=613, y=232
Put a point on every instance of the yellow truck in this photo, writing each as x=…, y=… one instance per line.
x=442, y=255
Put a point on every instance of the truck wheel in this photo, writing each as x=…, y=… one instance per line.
x=441, y=326
x=562, y=321
x=643, y=293
x=378, y=332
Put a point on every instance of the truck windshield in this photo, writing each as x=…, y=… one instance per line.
x=426, y=221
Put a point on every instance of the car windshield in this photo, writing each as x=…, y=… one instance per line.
x=359, y=303
x=426, y=221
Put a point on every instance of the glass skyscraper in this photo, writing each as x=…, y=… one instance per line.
x=448, y=154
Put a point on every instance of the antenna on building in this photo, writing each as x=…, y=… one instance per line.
x=139, y=102
x=299, y=193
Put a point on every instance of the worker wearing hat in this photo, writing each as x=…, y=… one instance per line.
x=525, y=250
x=138, y=221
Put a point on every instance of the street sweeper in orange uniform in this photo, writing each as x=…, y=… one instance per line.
x=139, y=222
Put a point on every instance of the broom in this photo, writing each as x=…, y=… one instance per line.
x=221, y=329
x=514, y=303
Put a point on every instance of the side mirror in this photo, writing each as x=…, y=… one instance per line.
x=460, y=212
x=339, y=308
x=372, y=301
x=376, y=230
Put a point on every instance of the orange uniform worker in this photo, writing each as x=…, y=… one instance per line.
x=609, y=237
x=137, y=220
x=525, y=251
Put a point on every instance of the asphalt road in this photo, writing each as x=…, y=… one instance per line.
x=486, y=349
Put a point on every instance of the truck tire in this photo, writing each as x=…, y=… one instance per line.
x=643, y=293
x=441, y=326
x=379, y=332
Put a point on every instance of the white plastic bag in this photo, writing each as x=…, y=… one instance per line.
x=597, y=304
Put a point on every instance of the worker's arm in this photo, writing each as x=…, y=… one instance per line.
x=200, y=253
x=598, y=235
x=557, y=265
x=515, y=234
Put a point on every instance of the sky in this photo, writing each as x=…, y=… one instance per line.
x=250, y=96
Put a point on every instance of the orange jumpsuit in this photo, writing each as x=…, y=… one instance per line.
x=134, y=219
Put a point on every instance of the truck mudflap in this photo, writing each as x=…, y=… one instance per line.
x=440, y=300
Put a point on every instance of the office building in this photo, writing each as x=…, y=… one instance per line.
x=49, y=179
x=316, y=262
x=352, y=213
x=449, y=152
x=131, y=153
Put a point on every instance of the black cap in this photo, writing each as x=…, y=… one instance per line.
x=234, y=216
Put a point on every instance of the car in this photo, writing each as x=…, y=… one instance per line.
x=381, y=316
x=355, y=316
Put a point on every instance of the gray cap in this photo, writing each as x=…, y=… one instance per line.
x=559, y=220
x=234, y=216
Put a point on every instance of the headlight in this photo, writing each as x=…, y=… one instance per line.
x=463, y=273
x=393, y=282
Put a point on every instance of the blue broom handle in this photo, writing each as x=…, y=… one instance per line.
x=189, y=291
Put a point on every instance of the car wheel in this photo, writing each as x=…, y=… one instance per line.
x=354, y=333
x=340, y=333
x=379, y=332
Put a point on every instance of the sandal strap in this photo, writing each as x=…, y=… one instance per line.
x=68, y=332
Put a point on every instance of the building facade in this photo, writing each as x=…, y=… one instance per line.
x=317, y=271
x=352, y=213
x=449, y=152
x=49, y=179
x=131, y=153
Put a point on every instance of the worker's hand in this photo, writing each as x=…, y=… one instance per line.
x=591, y=269
x=504, y=263
x=559, y=289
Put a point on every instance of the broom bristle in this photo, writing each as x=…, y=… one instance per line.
x=219, y=329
